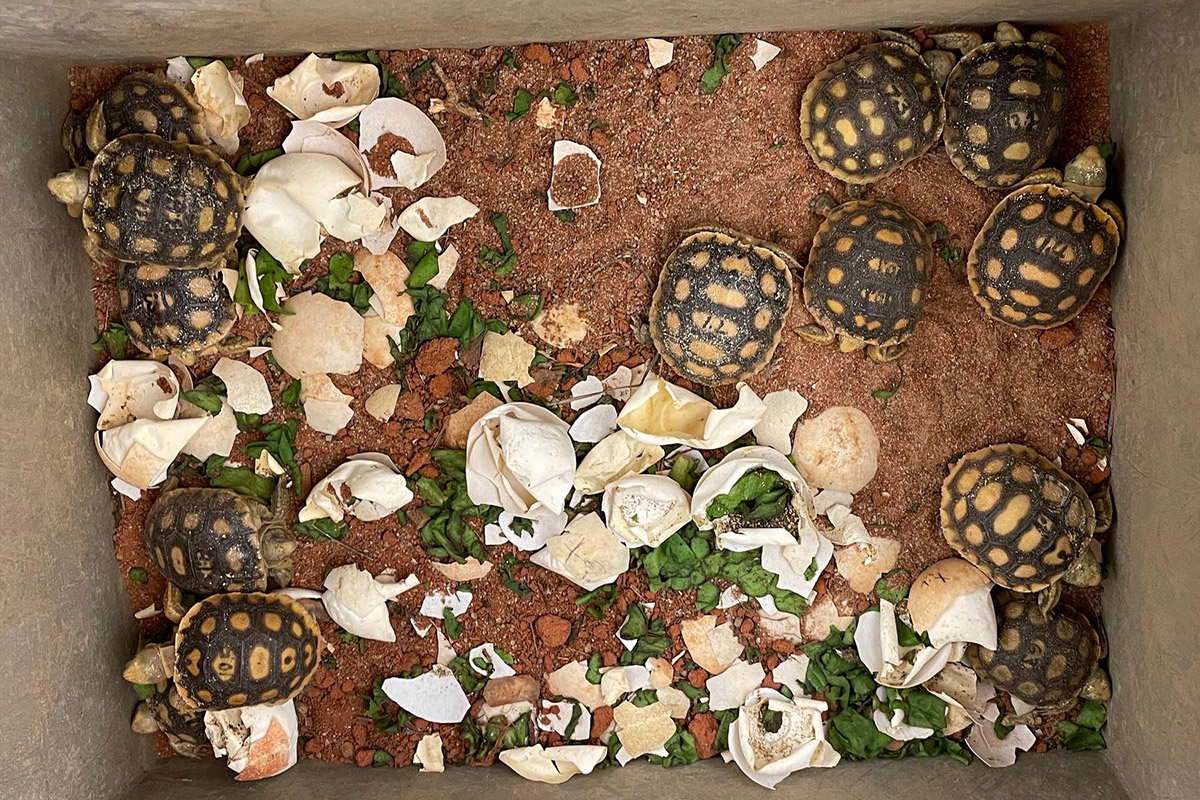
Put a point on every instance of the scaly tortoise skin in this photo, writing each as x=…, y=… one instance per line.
x=1041, y=255
x=207, y=540
x=867, y=115
x=167, y=203
x=868, y=272
x=146, y=103
x=185, y=312
x=1044, y=659
x=234, y=650
x=1016, y=516
x=183, y=726
x=1005, y=106
x=720, y=306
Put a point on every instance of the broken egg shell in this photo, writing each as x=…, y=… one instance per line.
x=458, y=426
x=594, y=424
x=562, y=149
x=429, y=753
x=357, y=601
x=388, y=277
x=326, y=408
x=219, y=93
x=792, y=563
x=124, y=391
x=428, y=219
x=470, y=570
x=587, y=553
x=713, y=647
x=215, y=437
x=435, y=603
x=403, y=119
x=561, y=325
x=255, y=287
x=614, y=457
x=767, y=757
x=644, y=729
x=553, y=765
x=435, y=695
x=245, y=387
x=302, y=91
x=951, y=601
x=731, y=688
x=319, y=335
x=862, y=564
x=586, y=392
x=519, y=457
x=838, y=449
x=382, y=403
x=140, y=452
x=570, y=680
x=308, y=136
x=720, y=479
x=782, y=410
x=660, y=412
x=871, y=639
x=764, y=52
x=659, y=52
x=545, y=523
x=374, y=483
x=644, y=510
x=260, y=741
x=506, y=357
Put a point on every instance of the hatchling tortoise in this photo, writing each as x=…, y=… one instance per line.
x=146, y=103
x=165, y=711
x=1016, y=516
x=867, y=275
x=867, y=115
x=720, y=306
x=1046, y=248
x=233, y=650
x=206, y=541
x=184, y=312
x=1006, y=102
x=148, y=200
x=1045, y=659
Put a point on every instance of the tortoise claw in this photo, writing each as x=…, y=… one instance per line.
x=882, y=354
x=815, y=334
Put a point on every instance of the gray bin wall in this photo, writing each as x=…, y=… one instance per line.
x=67, y=626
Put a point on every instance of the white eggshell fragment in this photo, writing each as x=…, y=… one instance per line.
x=660, y=52
x=435, y=696
x=763, y=53
x=245, y=387
x=375, y=486
x=329, y=91
x=767, y=757
x=219, y=93
x=519, y=457
x=404, y=120
x=326, y=408
x=506, y=357
x=259, y=741
x=838, y=449
x=731, y=688
x=429, y=753
x=594, y=424
x=553, y=765
x=357, y=601
x=586, y=553
x=382, y=403
x=135, y=389
x=616, y=456
x=782, y=410
x=661, y=413
x=319, y=335
x=428, y=219
x=564, y=149
x=309, y=136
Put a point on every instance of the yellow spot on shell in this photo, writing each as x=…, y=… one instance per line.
x=725, y=296
x=1035, y=274
x=845, y=129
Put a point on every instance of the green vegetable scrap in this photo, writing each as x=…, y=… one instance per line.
x=504, y=260
x=722, y=46
x=113, y=340
x=337, y=283
x=446, y=534
x=242, y=480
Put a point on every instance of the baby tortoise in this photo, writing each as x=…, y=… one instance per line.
x=866, y=278
x=1046, y=659
x=234, y=650
x=867, y=115
x=206, y=541
x=1016, y=516
x=182, y=312
x=1006, y=102
x=721, y=302
x=148, y=200
x=165, y=711
x=146, y=103
x=1046, y=248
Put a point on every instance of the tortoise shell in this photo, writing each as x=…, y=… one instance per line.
x=206, y=541
x=183, y=726
x=1015, y=515
x=1005, y=105
x=147, y=103
x=74, y=138
x=160, y=202
x=1041, y=255
x=180, y=311
x=868, y=271
x=869, y=114
x=235, y=650
x=1044, y=660
x=720, y=306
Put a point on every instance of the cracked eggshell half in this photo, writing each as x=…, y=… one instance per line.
x=404, y=120
x=615, y=457
x=326, y=408
x=140, y=452
x=219, y=93
x=305, y=91
x=767, y=757
x=309, y=136
x=837, y=449
x=258, y=741
x=876, y=638
x=720, y=479
x=318, y=335
x=296, y=199
x=553, y=765
x=357, y=601
x=643, y=510
x=783, y=409
x=519, y=457
x=564, y=148
x=952, y=602
x=124, y=391
x=801, y=565
x=661, y=413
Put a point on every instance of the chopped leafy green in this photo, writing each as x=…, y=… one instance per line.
x=290, y=397
x=138, y=575
x=113, y=340
x=509, y=59
x=204, y=397
x=522, y=102
x=565, y=215
x=707, y=596
x=508, y=581
x=564, y=95
x=949, y=254
x=382, y=758
x=759, y=494
x=271, y=274
x=242, y=480
x=323, y=528
x=1107, y=149
x=681, y=750
x=250, y=162
x=279, y=439
x=446, y=534
x=389, y=718
x=1085, y=732
x=144, y=691
x=722, y=46
x=526, y=307
x=504, y=260
x=593, y=670
x=650, y=635
x=454, y=628
x=889, y=587
x=416, y=73
x=423, y=263
x=337, y=283
x=886, y=394
x=683, y=472
x=597, y=601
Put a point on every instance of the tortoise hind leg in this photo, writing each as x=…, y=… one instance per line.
x=882, y=354
x=816, y=334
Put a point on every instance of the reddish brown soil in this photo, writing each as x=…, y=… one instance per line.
x=673, y=158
